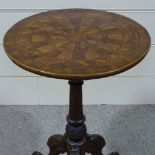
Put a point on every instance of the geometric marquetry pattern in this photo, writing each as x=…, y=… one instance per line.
x=76, y=43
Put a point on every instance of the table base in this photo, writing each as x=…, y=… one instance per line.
x=76, y=140
x=58, y=145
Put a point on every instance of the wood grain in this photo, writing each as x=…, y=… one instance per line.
x=77, y=43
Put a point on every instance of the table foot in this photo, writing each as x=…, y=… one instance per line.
x=95, y=144
x=36, y=153
x=114, y=153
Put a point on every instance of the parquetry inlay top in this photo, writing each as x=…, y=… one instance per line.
x=76, y=43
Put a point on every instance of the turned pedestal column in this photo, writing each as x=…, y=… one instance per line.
x=76, y=140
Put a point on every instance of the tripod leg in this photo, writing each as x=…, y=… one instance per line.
x=36, y=153
x=95, y=144
x=114, y=153
x=57, y=144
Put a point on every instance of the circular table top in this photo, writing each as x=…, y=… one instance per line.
x=76, y=43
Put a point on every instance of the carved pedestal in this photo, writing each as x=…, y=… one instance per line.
x=76, y=140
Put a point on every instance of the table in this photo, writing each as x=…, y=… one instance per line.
x=76, y=45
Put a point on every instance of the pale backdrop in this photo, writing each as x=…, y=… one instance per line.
x=135, y=86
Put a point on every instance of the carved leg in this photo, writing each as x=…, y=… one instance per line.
x=36, y=153
x=57, y=144
x=114, y=153
x=95, y=144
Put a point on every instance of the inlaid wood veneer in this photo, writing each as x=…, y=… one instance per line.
x=77, y=43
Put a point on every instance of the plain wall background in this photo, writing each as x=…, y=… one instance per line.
x=135, y=86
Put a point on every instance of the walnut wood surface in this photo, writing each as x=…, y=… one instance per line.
x=76, y=43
